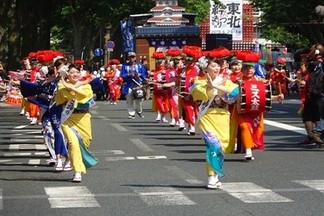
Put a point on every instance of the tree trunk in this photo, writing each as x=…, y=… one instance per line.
x=13, y=36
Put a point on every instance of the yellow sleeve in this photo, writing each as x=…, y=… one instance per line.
x=85, y=94
x=199, y=91
x=62, y=94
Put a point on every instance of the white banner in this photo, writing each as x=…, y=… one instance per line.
x=227, y=20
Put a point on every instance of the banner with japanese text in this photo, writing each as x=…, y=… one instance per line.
x=227, y=19
x=127, y=31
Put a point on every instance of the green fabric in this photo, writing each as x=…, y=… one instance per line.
x=249, y=63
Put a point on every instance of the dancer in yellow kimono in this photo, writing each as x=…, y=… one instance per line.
x=214, y=92
x=76, y=119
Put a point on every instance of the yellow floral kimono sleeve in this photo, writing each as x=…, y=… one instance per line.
x=199, y=92
x=63, y=95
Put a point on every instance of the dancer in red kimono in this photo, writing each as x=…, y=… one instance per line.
x=247, y=116
x=171, y=77
x=278, y=77
x=187, y=106
x=114, y=81
x=160, y=102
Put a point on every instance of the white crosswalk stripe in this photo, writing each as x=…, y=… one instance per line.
x=249, y=192
x=316, y=184
x=71, y=197
x=162, y=196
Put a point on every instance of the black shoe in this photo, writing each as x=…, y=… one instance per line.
x=140, y=115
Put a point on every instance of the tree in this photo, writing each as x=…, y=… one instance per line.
x=86, y=21
x=288, y=21
x=200, y=7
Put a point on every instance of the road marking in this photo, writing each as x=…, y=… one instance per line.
x=119, y=158
x=108, y=152
x=42, y=153
x=316, y=184
x=249, y=192
x=277, y=112
x=141, y=145
x=183, y=175
x=27, y=130
x=71, y=197
x=27, y=147
x=118, y=127
x=34, y=161
x=151, y=157
x=33, y=132
x=103, y=117
x=286, y=127
x=17, y=154
x=5, y=161
x=20, y=127
x=14, y=147
x=1, y=201
x=162, y=196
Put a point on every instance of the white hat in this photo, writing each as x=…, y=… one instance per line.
x=131, y=54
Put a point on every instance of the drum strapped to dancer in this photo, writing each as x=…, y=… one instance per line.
x=255, y=97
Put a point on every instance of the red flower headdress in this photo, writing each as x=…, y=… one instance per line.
x=113, y=62
x=248, y=57
x=192, y=52
x=79, y=62
x=159, y=55
x=281, y=61
x=174, y=53
x=219, y=53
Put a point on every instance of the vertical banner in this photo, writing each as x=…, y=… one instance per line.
x=227, y=19
x=127, y=31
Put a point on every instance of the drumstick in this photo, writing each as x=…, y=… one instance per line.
x=136, y=83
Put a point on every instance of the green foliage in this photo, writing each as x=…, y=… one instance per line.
x=279, y=18
x=200, y=7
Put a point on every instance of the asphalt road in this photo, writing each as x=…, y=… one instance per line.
x=148, y=168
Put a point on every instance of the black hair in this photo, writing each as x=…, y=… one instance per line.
x=75, y=66
x=51, y=70
x=59, y=62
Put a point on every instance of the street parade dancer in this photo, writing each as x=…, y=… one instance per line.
x=187, y=107
x=278, y=77
x=114, y=81
x=77, y=98
x=171, y=82
x=160, y=102
x=255, y=98
x=214, y=93
x=44, y=97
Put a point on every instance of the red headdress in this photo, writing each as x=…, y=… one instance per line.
x=192, y=52
x=174, y=53
x=158, y=55
x=219, y=53
x=113, y=62
x=79, y=62
x=248, y=57
x=44, y=56
x=281, y=61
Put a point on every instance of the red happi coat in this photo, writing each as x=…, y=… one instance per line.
x=187, y=106
x=160, y=94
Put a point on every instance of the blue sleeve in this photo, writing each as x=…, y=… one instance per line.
x=123, y=72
